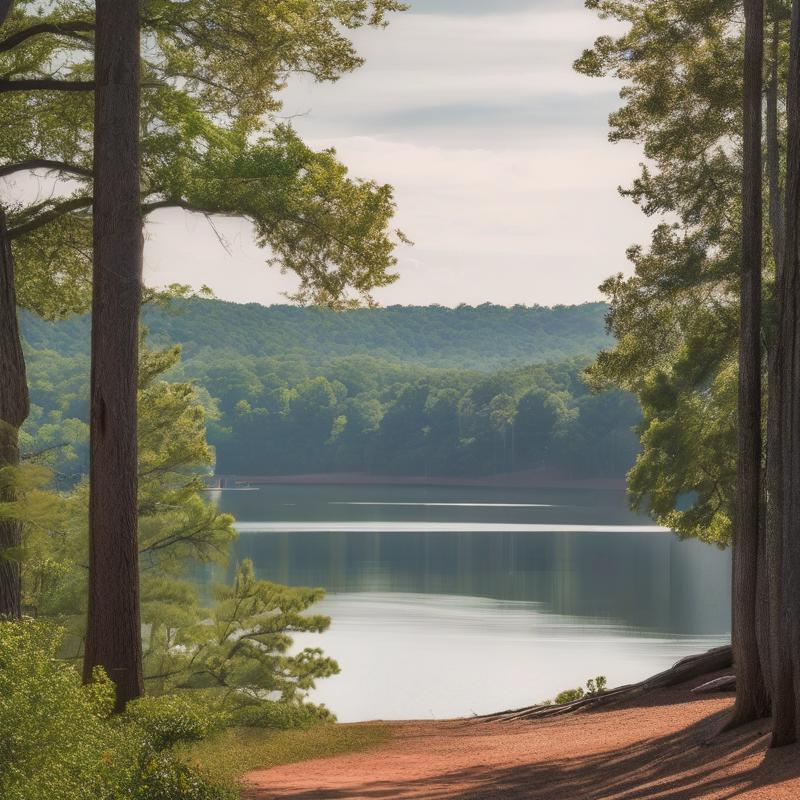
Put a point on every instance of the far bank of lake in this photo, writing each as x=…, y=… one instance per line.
x=528, y=479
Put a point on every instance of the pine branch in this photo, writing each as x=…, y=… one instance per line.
x=44, y=163
x=48, y=84
x=53, y=213
x=72, y=29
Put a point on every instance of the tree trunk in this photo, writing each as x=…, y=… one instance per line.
x=780, y=670
x=762, y=601
x=776, y=211
x=751, y=695
x=5, y=9
x=786, y=372
x=113, y=638
x=14, y=407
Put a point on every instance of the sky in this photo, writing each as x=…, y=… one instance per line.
x=498, y=152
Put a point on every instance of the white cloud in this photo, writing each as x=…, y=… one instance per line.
x=433, y=68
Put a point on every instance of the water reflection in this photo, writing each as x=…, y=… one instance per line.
x=452, y=601
x=643, y=581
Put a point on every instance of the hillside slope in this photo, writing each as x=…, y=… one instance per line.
x=484, y=337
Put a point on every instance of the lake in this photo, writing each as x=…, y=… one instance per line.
x=455, y=601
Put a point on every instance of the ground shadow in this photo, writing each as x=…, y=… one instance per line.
x=696, y=761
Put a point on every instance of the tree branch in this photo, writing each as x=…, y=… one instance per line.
x=56, y=211
x=48, y=84
x=154, y=205
x=44, y=163
x=71, y=29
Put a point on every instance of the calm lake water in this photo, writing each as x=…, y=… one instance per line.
x=452, y=601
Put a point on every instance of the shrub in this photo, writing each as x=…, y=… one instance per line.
x=163, y=777
x=569, y=696
x=56, y=740
x=173, y=718
x=281, y=716
x=59, y=741
x=594, y=686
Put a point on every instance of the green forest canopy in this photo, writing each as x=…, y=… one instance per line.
x=485, y=337
x=401, y=390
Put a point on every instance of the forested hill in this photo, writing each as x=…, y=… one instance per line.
x=396, y=391
x=484, y=337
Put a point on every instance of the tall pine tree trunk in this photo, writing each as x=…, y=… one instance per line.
x=779, y=670
x=751, y=695
x=14, y=408
x=786, y=374
x=113, y=638
x=776, y=210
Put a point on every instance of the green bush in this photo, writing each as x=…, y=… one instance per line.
x=594, y=686
x=58, y=740
x=281, y=716
x=569, y=696
x=174, y=718
x=163, y=777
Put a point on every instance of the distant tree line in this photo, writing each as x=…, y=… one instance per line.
x=293, y=415
x=484, y=337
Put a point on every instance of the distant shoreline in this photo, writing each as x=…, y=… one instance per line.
x=512, y=480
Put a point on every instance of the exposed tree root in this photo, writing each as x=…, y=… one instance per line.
x=686, y=669
x=727, y=683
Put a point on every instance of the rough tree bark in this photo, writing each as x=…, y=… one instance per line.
x=786, y=372
x=752, y=700
x=113, y=636
x=14, y=407
x=776, y=210
x=779, y=670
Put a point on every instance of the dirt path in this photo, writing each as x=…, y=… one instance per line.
x=654, y=748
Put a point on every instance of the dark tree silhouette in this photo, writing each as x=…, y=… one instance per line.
x=751, y=696
x=113, y=638
x=5, y=9
x=784, y=546
x=14, y=406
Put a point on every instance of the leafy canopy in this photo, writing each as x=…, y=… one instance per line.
x=212, y=74
x=675, y=319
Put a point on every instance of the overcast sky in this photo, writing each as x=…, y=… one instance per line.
x=498, y=151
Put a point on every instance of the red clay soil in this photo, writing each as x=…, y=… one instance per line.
x=663, y=746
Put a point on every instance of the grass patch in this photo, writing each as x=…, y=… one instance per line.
x=228, y=756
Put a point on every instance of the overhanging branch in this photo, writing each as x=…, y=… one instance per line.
x=49, y=212
x=53, y=213
x=72, y=29
x=44, y=163
x=48, y=84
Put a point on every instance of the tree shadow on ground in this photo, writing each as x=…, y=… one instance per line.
x=696, y=761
